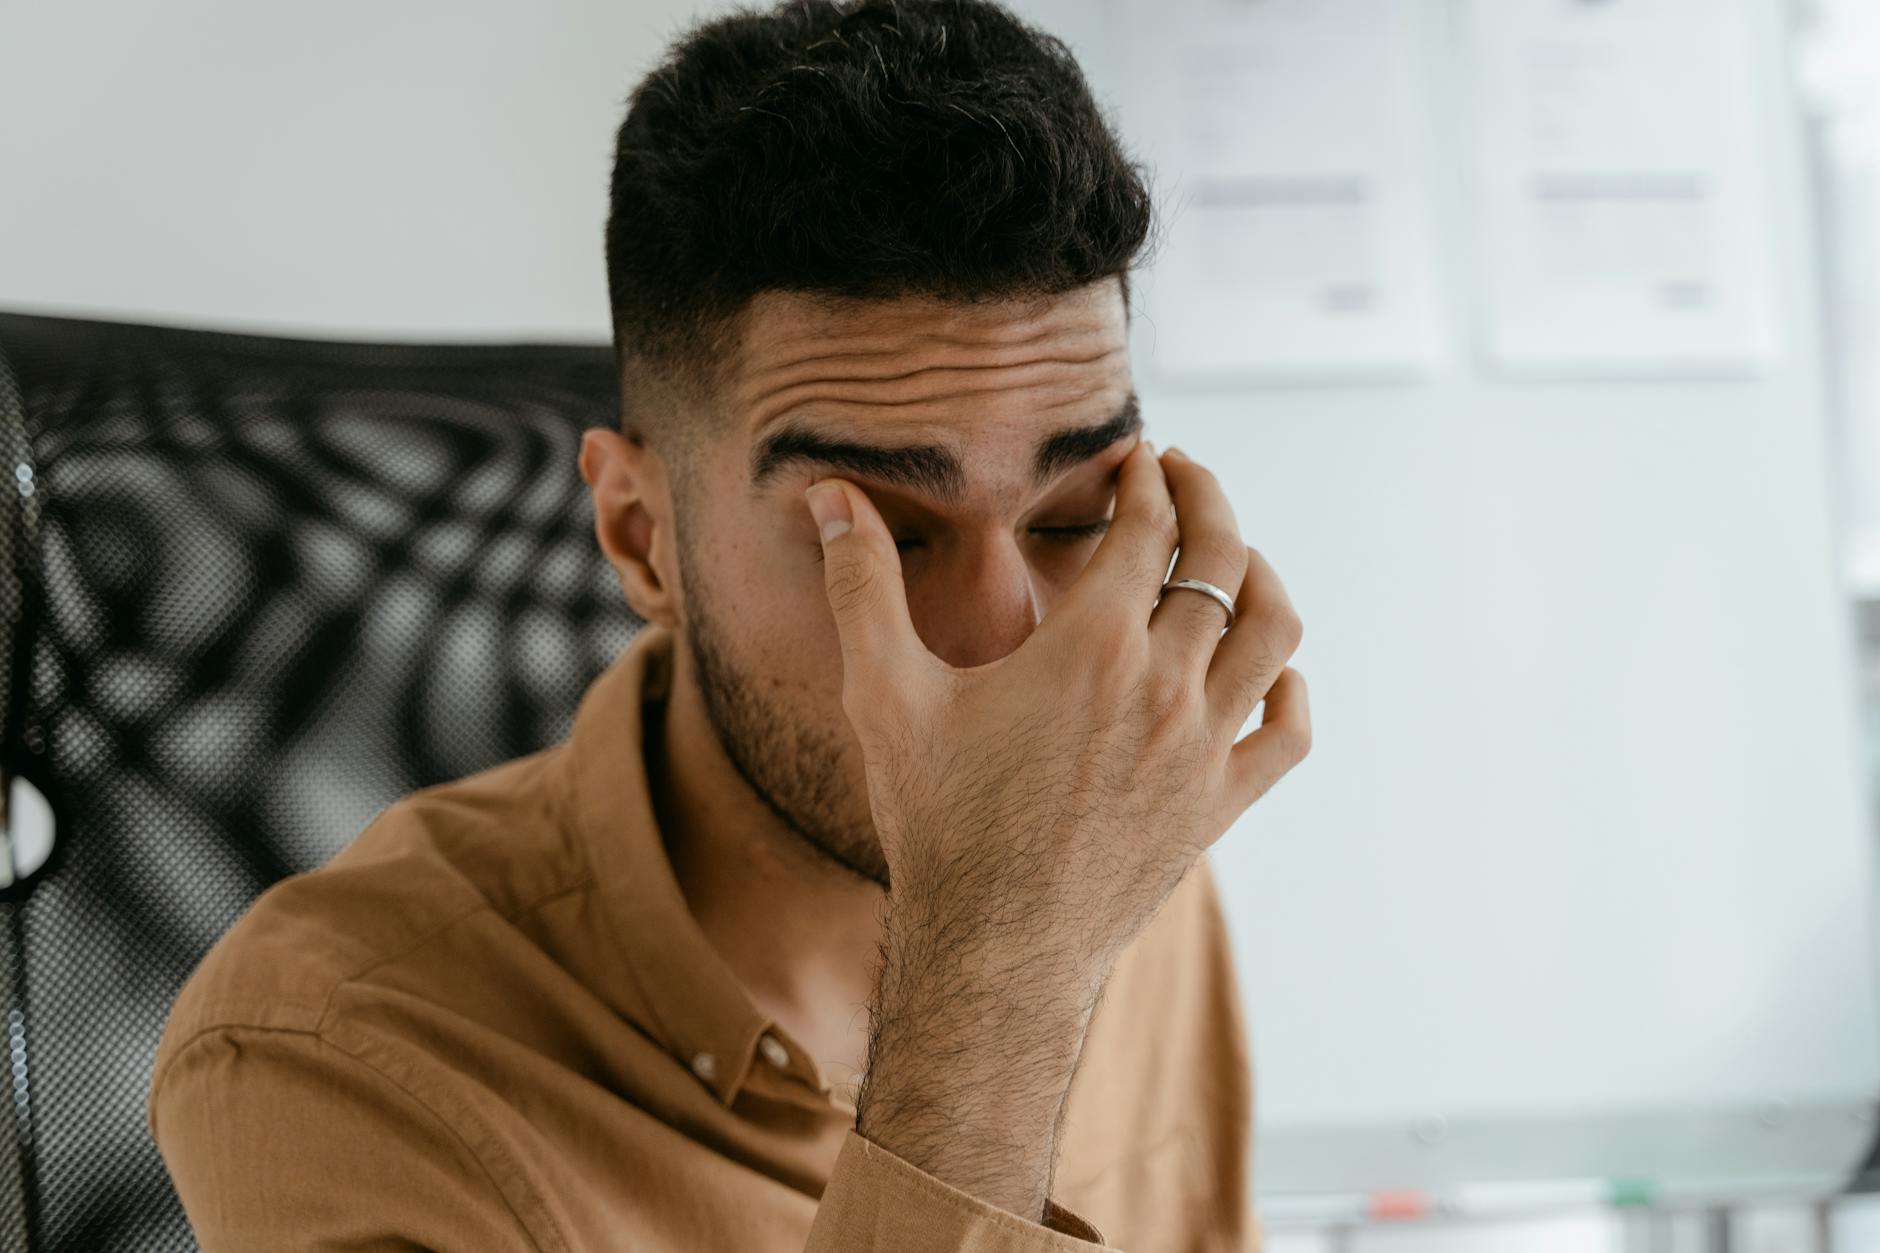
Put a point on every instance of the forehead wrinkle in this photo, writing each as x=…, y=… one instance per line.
x=881, y=366
x=839, y=383
x=1050, y=376
x=875, y=343
x=778, y=322
x=787, y=340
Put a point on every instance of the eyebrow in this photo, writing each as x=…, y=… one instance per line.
x=932, y=469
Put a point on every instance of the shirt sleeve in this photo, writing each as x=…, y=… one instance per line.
x=280, y=1140
x=877, y=1201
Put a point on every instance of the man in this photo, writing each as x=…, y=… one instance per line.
x=864, y=906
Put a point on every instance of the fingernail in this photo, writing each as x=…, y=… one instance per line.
x=1177, y=453
x=829, y=505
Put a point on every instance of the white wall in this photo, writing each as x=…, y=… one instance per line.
x=356, y=168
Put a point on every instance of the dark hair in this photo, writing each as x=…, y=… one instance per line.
x=873, y=149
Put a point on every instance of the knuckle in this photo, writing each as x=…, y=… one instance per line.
x=1220, y=550
x=1156, y=532
x=1286, y=629
x=1293, y=747
x=1168, y=693
x=1247, y=686
x=1296, y=733
x=853, y=591
x=1276, y=628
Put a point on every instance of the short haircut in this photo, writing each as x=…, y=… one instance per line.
x=869, y=149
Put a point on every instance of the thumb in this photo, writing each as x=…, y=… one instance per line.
x=862, y=576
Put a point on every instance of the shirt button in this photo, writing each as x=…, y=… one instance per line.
x=774, y=1052
x=705, y=1066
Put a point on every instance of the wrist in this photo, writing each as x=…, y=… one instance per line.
x=974, y=1036
x=981, y=930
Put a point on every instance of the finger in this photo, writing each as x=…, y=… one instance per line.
x=1187, y=624
x=862, y=577
x=1129, y=562
x=1281, y=741
x=1265, y=635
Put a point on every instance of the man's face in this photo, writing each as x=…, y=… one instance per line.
x=988, y=436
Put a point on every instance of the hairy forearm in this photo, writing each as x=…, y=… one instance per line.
x=975, y=1033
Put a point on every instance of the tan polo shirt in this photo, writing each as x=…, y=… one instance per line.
x=490, y=1025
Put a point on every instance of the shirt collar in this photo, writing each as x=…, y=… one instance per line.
x=680, y=992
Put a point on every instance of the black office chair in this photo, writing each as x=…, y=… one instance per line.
x=254, y=589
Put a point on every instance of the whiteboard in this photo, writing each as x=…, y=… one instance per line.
x=1577, y=880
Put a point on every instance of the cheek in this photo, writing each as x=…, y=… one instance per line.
x=815, y=645
x=774, y=591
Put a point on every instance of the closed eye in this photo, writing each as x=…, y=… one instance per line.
x=1057, y=534
x=1068, y=534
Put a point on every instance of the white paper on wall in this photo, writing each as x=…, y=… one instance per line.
x=1620, y=184
x=1287, y=138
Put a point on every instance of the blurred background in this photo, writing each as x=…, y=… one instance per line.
x=1538, y=342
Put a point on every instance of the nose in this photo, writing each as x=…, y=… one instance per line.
x=978, y=603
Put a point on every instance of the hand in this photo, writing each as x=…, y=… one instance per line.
x=1035, y=812
x=1059, y=793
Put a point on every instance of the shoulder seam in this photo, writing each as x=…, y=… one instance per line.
x=323, y=1012
x=416, y=803
x=482, y=907
x=318, y=1038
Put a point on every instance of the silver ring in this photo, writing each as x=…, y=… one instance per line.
x=1198, y=585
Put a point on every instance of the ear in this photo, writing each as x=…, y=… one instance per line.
x=633, y=520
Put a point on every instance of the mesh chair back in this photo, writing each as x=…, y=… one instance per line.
x=256, y=588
